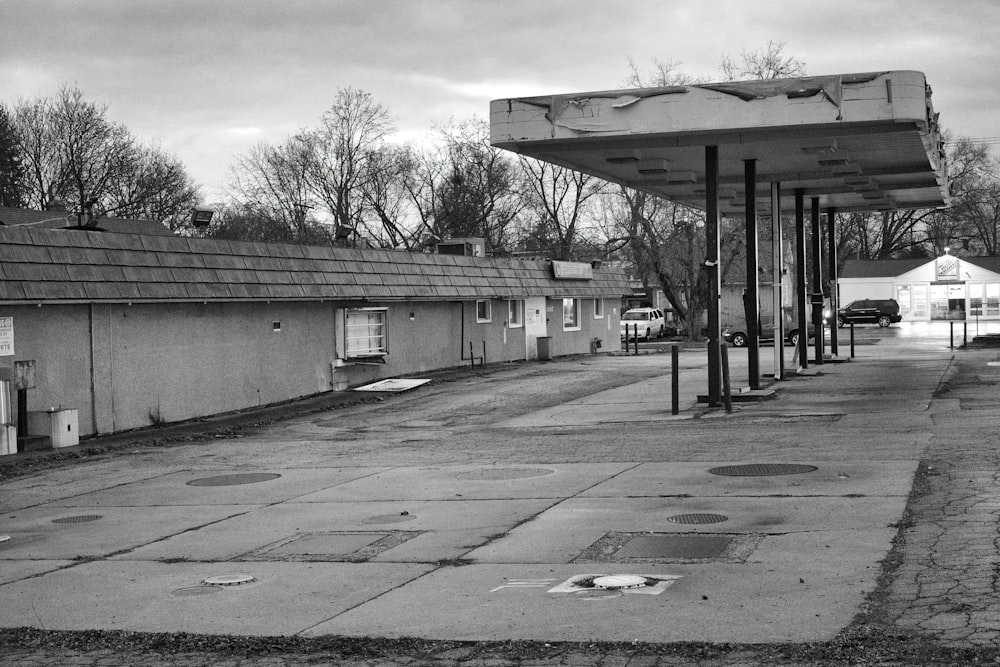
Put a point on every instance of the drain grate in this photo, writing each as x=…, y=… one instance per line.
x=762, y=469
x=697, y=518
x=233, y=480
x=500, y=474
x=82, y=518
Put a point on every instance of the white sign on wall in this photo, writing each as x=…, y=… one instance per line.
x=6, y=336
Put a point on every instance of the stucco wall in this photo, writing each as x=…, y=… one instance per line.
x=129, y=366
x=170, y=362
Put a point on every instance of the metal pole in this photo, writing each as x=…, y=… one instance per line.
x=778, y=274
x=832, y=280
x=800, y=277
x=852, y=340
x=712, y=267
x=675, y=381
x=951, y=331
x=752, y=297
x=22, y=415
x=817, y=283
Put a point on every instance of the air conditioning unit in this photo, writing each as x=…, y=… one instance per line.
x=470, y=247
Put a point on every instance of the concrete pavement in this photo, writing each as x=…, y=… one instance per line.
x=486, y=507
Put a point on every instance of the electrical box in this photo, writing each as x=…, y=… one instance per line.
x=59, y=424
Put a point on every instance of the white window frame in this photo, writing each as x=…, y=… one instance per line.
x=574, y=304
x=598, y=309
x=515, y=313
x=480, y=319
x=366, y=337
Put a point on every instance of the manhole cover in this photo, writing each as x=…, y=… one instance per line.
x=675, y=546
x=389, y=518
x=762, y=469
x=232, y=480
x=697, y=518
x=617, y=581
x=497, y=474
x=229, y=580
x=83, y=518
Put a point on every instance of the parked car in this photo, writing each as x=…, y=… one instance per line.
x=740, y=337
x=882, y=312
x=650, y=322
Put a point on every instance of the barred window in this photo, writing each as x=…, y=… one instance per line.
x=367, y=332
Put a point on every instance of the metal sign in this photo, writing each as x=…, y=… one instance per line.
x=6, y=336
x=572, y=271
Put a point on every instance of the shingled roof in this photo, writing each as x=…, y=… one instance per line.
x=76, y=266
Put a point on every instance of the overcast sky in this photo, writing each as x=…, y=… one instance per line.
x=206, y=79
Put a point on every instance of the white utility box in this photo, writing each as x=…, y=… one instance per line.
x=60, y=424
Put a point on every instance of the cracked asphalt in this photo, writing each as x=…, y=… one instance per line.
x=936, y=598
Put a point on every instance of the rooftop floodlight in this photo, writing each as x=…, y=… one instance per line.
x=201, y=217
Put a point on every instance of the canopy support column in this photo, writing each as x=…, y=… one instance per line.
x=777, y=281
x=751, y=297
x=714, y=278
x=817, y=282
x=831, y=255
x=800, y=277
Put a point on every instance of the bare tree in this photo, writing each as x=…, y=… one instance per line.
x=71, y=152
x=351, y=132
x=154, y=186
x=769, y=62
x=559, y=198
x=11, y=167
x=275, y=182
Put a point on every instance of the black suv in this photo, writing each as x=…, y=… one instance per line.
x=882, y=312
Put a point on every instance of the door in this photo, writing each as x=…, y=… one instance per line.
x=534, y=324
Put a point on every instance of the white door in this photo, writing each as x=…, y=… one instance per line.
x=534, y=324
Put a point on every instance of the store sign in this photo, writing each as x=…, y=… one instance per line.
x=572, y=270
x=947, y=268
x=6, y=336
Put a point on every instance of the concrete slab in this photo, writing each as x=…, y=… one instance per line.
x=471, y=482
x=840, y=478
x=174, y=489
x=35, y=535
x=166, y=597
x=14, y=570
x=712, y=602
x=436, y=530
x=565, y=532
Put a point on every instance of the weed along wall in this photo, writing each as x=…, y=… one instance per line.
x=132, y=330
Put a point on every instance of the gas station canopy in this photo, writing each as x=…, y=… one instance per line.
x=854, y=141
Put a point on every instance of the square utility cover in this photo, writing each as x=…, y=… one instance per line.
x=670, y=548
x=675, y=546
x=351, y=547
x=328, y=543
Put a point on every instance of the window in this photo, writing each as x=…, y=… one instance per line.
x=366, y=332
x=571, y=314
x=484, y=313
x=598, y=308
x=515, y=308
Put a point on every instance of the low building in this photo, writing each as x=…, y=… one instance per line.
x=943, y=288
x=137, y=329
